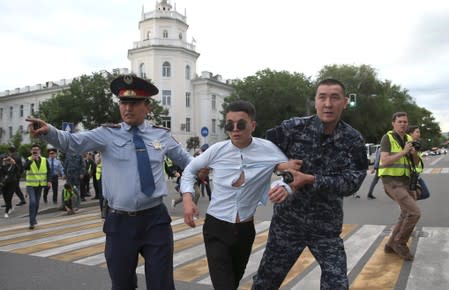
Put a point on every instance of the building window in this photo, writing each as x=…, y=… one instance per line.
x=21, y=110
x=187, y=124
x=166, y=97
x=21, y=129
x=142, y=73
x=11, y=109
x=214, y=124
x=1, y=133
x=187, y=99
x=10, y=132
x=187, y=72
x=166, y=122
x=1, y=113
x=180, y=35
x=32, y=109
x=166, y=69
x=165, y=34
x=214, y=102
x=148, y=34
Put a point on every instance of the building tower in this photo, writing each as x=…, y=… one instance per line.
x=164, y=55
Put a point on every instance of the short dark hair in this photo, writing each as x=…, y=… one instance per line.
x=397, y=115
x=242, y=106
x=52, y=150
x=67, y=186
x=412, y=128
x=35, y=145
x=330, y=82
x=12, y=149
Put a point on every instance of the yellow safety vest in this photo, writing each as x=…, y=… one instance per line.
x=420, y=166
x=400, y=167
x=98, y=171
x=37, y=176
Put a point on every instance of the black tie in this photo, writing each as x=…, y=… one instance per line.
x=143, y=163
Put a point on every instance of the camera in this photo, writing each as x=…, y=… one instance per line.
x=416, y=145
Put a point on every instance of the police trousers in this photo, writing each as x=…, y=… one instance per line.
x=148, y=234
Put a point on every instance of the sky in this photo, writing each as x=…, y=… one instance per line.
x=407, y=42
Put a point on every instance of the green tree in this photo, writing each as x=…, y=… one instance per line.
x=277, y=95
x=16, y=139
x=89, y=101
x=377, y=100
x=193, y=143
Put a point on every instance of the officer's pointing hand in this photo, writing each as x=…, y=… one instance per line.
x=37, y=127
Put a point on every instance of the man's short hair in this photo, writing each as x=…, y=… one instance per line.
x=242, y=106
x=397, y=115
x=35, y=145
x=331, y=82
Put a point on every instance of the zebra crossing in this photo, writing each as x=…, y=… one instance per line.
x=79, y=239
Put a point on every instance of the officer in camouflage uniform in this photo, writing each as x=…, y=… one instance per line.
x=334, y=166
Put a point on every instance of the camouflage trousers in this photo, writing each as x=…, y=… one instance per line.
x=283, y=250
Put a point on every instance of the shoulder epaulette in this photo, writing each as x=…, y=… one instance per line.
x=160, y=127
x=111, y=125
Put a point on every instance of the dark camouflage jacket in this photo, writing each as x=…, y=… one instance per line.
x=337, y=161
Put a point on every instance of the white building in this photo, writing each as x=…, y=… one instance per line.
x=163, y=55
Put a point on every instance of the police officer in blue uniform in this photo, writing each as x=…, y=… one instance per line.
x=137, y=221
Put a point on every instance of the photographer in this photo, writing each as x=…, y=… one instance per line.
x=397, y=155
x=415, y=133
x=9, y=171
x=37, y=178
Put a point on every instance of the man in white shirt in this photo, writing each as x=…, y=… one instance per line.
x=242, y=167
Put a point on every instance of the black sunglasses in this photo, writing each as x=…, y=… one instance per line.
x=241, y=125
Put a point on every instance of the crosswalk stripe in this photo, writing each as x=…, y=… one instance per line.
x=81, y=241
x=356, y=245
x=436, y=275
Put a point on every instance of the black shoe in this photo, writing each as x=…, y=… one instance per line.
x=83, y=199
x=3, y=205
x=21, y=203
x=371, y=197
x=31, y=227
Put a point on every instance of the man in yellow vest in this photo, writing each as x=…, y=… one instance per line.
x=396, y=157
x=37, y=178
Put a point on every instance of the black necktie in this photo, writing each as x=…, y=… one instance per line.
x=143, y=163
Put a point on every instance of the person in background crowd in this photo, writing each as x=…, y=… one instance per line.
x=415, y=133
x=89, y=166
x=334, y=165
x=68, y=194
x=12, y=152
x=74, y=171
x=8, y=178
x=397, y=154
x=132, y=155
x=374, y=170
x=37, y=178
x=56, y=171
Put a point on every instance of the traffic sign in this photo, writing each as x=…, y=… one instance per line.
x=204, y=131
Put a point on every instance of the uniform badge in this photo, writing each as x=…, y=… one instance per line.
x=157, y=145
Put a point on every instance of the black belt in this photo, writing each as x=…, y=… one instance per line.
x=132, y=213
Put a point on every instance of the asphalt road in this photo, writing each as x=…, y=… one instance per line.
x=19, y=271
